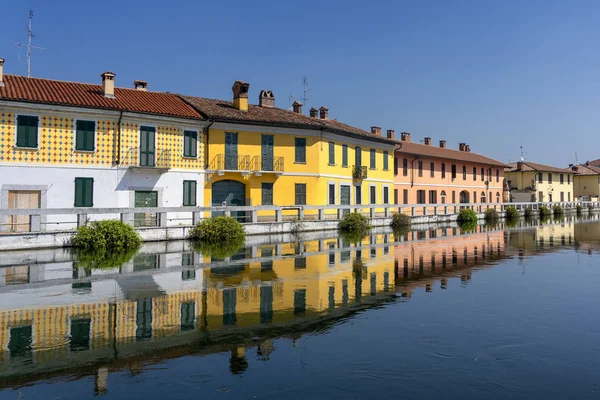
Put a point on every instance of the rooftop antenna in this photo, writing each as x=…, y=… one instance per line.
x=522, y=155
x=305, y=90
x=576, y=162
x=29, y=45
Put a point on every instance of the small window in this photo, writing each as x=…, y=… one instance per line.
x=443, y=196
x=85, y=135
x=395, y=196
x=267, y=194
x=300, y=145
x=404, y=167
x=331, y=194
x=497, y=197
x=405, y=196
x=549, y=178
x=569, y=179
x=301, y=193
x=27, y=131
x=482, y=174
x=562, y=179
x=453, y=171
x=432, y=170
x=386, y=162
x=190, y=144
x=396, y=166
x=443, y=170
x=421, y=196
x=331, y=153
x=84, y=192
x=373, y=159
x=344, y=155
x=189, y=193
x=497, y=175
x=420, y=166
x=464, y=173
x=474, y=173
x=373, y=195
x=433, y=197
x=540, y=178
x=386, y=195
x=358, y=194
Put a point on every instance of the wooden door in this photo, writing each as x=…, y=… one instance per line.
x=22, y=199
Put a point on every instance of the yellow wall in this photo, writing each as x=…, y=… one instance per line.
x=587, y=185
x=520, y=180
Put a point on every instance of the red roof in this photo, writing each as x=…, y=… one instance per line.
x=46, y=91
x=529, y=166
x=584, y=169
x=450, y=154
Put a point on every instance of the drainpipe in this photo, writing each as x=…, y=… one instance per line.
x=118, y=162
x=206, y=131
x=412, y=171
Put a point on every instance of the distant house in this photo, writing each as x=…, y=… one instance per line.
x=587, y=181
x=532, y=182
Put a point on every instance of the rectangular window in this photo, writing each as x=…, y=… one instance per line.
x=562, y=196
x=420, y=197
x=549, y=178
x=190, y=144
x=189, y=193
x=331, y=194
x=433, y=197
x=569, y=179
x=300, y=146
x=432, y=170
x=540, y=178
x=80, y=334
x=373, y=159
x=396, y=166
x=27, y=131
x=453, y=197
x=474, y=173
x=299, y=301
x=344, y=155
x=497, y=175
x=482, y=174
x=395, y=196
x=331, y=153
x=85, y=135
x=420, y=166
x=405, y=196
x=443, y=170
x=267, y=194
x=188, y=315
x=386, y=161
x=562, y=179
x=404, y=167
x=301, y=194
x=453, y=171
x=84, y=192
x=569, y=195
x=373, y=195
x=358, y=194
x=386, y=195
x=464, y=173
x=358, y=156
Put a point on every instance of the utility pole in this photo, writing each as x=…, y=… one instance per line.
x=29, y=45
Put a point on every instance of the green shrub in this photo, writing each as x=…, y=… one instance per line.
x=354, y=223
x=108, y=235
x=512, y=222
x=400, y=220
x=579, y=209
x=467, y=215
x=529, y=213
x=102, y=259
x=544, y=211
x=467, y=227
x=491, y=215
x=512, y=213
x=219, y=250
x=557, y=210
x=353, y=237
x=219, y=230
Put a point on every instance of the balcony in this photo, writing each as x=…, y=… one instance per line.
x=262, y=165
x=359, y=172
x=136, y=157
x=257, y=165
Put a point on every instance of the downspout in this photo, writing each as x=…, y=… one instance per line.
x=412, y=171
x=118, y=162
x=206, y=133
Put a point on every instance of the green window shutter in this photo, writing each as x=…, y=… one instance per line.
x=190, y=143
x=267, y=194
x=85, y=135
x=189, y=193
x=331, y=153
x=27, y=131
x=300, y=193
x=300, y=150
x=79, y=136
x=344, y=155
x=84, y=192
x=385, y=160
x=373, y=160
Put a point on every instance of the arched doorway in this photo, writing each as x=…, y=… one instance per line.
x=464, y=197
x=230, y=193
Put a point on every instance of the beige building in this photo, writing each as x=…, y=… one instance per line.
x=539, y=183
x=587, y=182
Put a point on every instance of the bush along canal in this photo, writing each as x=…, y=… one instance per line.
x=476, y=305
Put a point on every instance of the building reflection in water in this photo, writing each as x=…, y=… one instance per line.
x=156, y=305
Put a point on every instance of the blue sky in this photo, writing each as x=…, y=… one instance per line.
x=494, y=74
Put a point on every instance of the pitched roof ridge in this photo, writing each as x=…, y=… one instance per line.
x=84, y=83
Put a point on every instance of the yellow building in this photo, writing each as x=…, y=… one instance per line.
x=531, y=182
x=264, y=155
x=587, y=182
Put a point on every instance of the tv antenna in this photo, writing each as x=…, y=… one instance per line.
x=305, y=90
x=29, y=46
x=522, y=155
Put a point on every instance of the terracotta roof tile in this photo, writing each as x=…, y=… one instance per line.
x=224, y=111
x=583, y=169
x=37, y=90
x=450, y=154
x=529, y=166
x=595, y=163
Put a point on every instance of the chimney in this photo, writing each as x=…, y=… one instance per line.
x=266, y=99
x=375, y=130
x=108, y=84
x=1, y=68
x=405, y=136
x=427, y=141
x=390, y=133
x=314, y=112
x=240, y=95
x=442, y=144
x=297, y=107
x=467, y=148
x=461, y=146
x=142, y=86
x=324, y=112
x=519, y=165
x=570, y=165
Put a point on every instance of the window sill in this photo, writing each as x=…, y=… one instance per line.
x=190, y=157
x=190, y=205
x=344, y=166
x=332, y=165
x=372, y=169
x=84, y=151
x=300, y=162
x=27, y=148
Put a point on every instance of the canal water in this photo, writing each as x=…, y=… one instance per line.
x=506, y=313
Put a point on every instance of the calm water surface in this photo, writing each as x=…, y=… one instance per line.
x=432, y=313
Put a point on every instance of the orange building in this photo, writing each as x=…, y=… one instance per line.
x=427, y=174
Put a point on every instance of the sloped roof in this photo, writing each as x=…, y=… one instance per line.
x=583, y=169
x=224, y=111
x=46, y=91
x=595, y=163
x=529, y=166
x=451, y=154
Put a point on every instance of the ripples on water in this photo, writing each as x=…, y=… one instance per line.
x=429, y=312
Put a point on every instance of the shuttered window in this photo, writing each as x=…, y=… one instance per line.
x=432, y=170
x=386, y=195
x=267, y=194
x=373, y=195
x=300, y=145
x=443, y=171
x=344, y=155
x=189, y=193
x=373, y=159
x=420, y=164
x=27, y=131
x=464, y=173
x=404, y=167
x=190, y=144
x=84, y=192
x=331, y=194
x=386, y=162
x=331, y=153
x=453, y=171
x=85, y=135
x=301, y=193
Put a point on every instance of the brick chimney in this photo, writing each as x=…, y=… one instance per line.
x=324, y=112
x=461, y=146
x=314, y=112
x=140, y=85
x=390, y=133
x=297, y=107
x=427, y=141
x=467, y=148
x=375, y=130
x=519, y=165
x=1, y=69
x=108, y=84
x=266, y=99
x=405, y=136
x=240, y=95
x=442, y=144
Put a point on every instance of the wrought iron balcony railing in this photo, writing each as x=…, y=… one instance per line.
x=359, y=172
x=267, y=164
x=144, y=158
